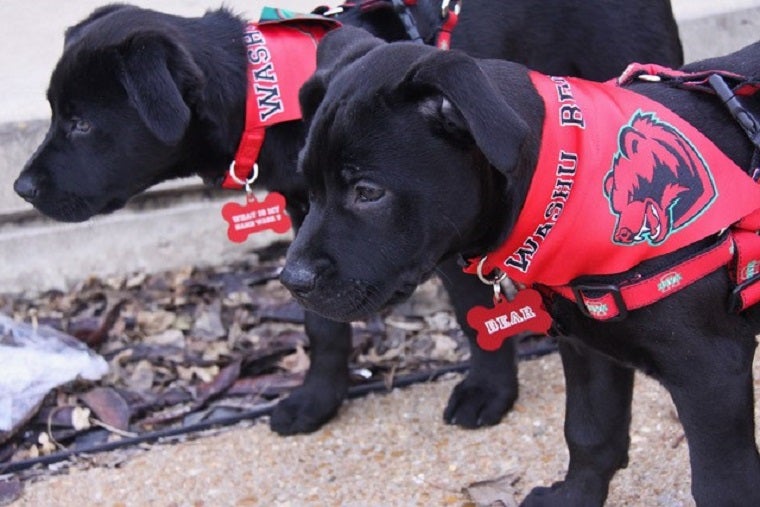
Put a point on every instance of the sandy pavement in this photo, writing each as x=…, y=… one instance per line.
x=385, y=450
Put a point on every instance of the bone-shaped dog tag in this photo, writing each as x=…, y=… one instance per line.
x=509, y=318
x=256, y=216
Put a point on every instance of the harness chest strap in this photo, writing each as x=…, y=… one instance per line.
x=612, y=302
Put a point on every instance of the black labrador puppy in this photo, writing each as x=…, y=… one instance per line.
x=139, y=97
x=487, y=160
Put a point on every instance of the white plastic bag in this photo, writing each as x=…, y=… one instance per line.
x=32, y=362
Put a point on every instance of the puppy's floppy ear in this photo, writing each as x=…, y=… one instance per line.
x=74, y=33
x=460, y=95
x=337, y=49
x=159, y=75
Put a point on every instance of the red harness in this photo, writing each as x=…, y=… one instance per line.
x=621, y=179
x=282, y=54
x=281, y=49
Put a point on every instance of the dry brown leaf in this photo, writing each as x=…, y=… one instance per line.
x=442, y=321
x=142, y=376
x=204, y=374
x=108, y=406
x=154, y=322
x=208, y=323
x=136, y=280
x=405, y=323
x=173, y=337
x=444, y=347
x=497, y=492
x=268, y=385
x=213, y=351
x=221, y=382
x=297, y=362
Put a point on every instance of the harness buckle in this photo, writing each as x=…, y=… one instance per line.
x=410, y=24
x=600, y=306
x=746, y=120
x=735, y=303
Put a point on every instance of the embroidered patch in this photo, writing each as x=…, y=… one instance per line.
x=659, y=182
x=752, y=269
x=669, y=281
x=597, y=309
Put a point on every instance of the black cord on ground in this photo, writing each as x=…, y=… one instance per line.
x=252, y=414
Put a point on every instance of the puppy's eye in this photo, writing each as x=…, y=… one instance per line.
x=366, y=192
x=80, y=126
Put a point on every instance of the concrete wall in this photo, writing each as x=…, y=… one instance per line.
x=185, y=228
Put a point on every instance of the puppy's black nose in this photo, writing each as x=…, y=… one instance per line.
x=26, y=187
x=298, y=278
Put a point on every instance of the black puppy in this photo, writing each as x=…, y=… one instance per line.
x=139, y=97
x=446, y=160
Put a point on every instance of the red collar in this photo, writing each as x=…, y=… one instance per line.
x=620, y=179
x=281, y=57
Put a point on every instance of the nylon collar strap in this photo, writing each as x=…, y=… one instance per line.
x=281, y=53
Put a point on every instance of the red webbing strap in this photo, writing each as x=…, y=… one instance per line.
x=743, y=85
x=616, y=301
x=443, y=40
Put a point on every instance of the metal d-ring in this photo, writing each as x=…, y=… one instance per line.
x=496, y=282
x=485, y=280
x=245, y=183
x=446, y=5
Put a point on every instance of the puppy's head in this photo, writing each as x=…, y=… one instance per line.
x=407, y=148
x=119, y=97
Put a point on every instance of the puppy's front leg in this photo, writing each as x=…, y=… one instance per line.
x=712, y=387
x=597, y=423
x=326, y=384
x=490, y=389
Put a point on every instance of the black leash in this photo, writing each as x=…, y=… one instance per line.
x=744, y=117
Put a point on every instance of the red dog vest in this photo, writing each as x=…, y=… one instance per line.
x=282, y=54
x=620, y=179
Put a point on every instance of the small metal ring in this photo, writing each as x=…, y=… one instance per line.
x=244, y=183
x=483, y=279
x=446, y=6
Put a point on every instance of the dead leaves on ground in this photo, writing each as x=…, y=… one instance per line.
x=190, y=344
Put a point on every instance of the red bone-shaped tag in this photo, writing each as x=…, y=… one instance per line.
x=509, y=318
x=256, y=216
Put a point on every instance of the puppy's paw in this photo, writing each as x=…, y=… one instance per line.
x=305, y=411
x=475, y=403
x=565, y=494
